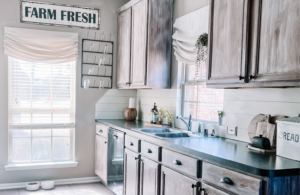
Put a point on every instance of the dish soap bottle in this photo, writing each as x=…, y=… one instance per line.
x=154, y=114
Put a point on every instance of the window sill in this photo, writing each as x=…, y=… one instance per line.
x=46, y=165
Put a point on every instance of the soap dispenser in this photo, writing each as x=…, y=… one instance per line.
x=154, y=114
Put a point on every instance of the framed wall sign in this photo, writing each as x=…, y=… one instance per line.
x=59, y=15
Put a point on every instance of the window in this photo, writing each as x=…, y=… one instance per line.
x=41, y=111
x=201, y=102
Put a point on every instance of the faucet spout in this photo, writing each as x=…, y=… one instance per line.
x=188, y=124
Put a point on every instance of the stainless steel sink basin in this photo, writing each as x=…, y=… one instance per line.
x=172, y=135
x=155, y=130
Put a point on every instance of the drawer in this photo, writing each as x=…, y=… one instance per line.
x=132, y=143
x=185, y=164
x=209, y=190
x=102, y=130
x=241, y=184
x=151, y=151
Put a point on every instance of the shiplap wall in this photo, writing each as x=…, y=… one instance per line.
x=113, y=104
x=164, y=98
x=240, y=106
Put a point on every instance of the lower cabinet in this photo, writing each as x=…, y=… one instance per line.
x=209, y=190
x=173, y=183
x=131, y=172
x=149, y=177
x=101, y=157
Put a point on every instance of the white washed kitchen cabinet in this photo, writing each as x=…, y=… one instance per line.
x=150, y=45
x=149, y=177
x=131, y=172
x=101, y=157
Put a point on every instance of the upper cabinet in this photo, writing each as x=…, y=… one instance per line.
x=145, y=44
x=227, y=41
x=254, y=44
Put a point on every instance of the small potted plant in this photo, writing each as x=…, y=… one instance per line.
x=220, y=114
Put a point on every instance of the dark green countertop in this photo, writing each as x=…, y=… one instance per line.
x=225, y=152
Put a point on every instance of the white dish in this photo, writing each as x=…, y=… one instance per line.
x=47, y=185
x=32, y=186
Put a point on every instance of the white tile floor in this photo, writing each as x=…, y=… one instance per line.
x=74, y=189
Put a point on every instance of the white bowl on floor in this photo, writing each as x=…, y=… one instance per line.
x=47, y=185
x=32, y=186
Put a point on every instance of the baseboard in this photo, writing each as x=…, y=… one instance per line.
x=8, y=186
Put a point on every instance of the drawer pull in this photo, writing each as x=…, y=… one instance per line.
x=193, y=185
x=100, y=131
x=177, y=162
x=131, y=143
x=149, y=151
x=226, y=180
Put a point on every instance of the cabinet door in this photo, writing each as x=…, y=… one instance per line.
x=101, y=158
x=228, y=46
x=173, y=183
x=139, y=44
x=131, y=172
x=276, y=42
x=209, y=190
x=150, y=177
x=124, y=41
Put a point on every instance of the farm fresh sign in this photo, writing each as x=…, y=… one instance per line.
x=59, y=15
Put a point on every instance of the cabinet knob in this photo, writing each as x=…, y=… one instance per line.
x=116, y=137
x=193, y=186
x=149, y=151
x=241, y=78
x=131, y=143
x=226, y=180
x=177, y=162
x=128, y=83
x=100, y=131
x=105, y=142
x=252, y=77
x=136, y=158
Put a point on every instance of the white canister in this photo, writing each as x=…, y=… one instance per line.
x=288, y=138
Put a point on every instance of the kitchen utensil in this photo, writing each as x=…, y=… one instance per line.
x=261, y=142
x=253, y=124
x=32, y=186
x=47, y=185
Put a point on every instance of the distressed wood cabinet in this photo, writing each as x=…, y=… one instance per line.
x=101, y=157
x=256, y=45
x=145, y=60
x=149, y=177
x=173, y=183
x=209, y=190
x=131, y=172
x=275, y=43
x=229, y=23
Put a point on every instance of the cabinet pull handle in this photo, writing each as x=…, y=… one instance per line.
x=100, y=131
x=136, y=158
x=193, y=185
x=131, y=143
x=129, y=83
x=177, y=162
x=149, y=151
x=241, y=78
x=252, y=77
x=226, y=180
x=105, y=142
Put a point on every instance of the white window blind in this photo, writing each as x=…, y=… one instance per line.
x=41, y=110
x=201, y=102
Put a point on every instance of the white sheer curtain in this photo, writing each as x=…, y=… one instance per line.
x=40, y=46
x=188, y=29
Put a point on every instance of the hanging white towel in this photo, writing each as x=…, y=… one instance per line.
x=40, y=46
x=188, y=29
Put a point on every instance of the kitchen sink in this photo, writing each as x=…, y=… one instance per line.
x=155, y=130
x=173, y=135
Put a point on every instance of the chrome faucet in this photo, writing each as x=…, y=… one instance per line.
x=173, y=122
x=189, y=124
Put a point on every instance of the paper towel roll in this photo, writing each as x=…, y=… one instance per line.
x=131, y=103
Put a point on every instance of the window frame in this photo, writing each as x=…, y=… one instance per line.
x=49, y=126
x=185, y=83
